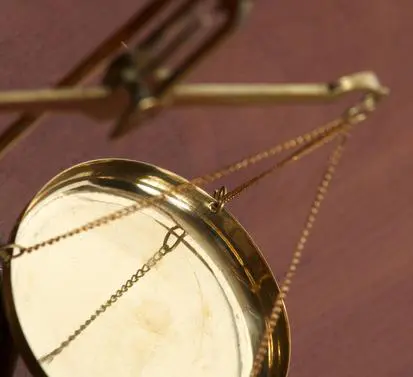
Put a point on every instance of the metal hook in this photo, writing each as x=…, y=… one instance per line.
x=220, y=196
x=7, y=252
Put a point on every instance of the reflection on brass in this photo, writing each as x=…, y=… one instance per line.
x=215, y=287
x=123, y=181
x=143, y=79
x=97, y=186
x=219, y=199
x=103, y=103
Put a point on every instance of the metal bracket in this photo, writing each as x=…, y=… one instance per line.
x=143, y=80
x=219, y=199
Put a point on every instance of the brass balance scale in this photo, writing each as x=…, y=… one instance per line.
x=137, y=271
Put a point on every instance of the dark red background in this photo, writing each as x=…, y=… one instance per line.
x=350, y=306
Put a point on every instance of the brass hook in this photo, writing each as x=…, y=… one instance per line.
x=220, y=196
x=7, y=252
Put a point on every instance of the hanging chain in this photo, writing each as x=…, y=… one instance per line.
x=296, y=258
x=138, y=275
x=8, y=251
x=222, y=195
x=307, y=148
x=353, y=116
x=306, y=144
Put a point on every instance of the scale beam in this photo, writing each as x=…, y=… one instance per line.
x=140, y=81
x=104, y=103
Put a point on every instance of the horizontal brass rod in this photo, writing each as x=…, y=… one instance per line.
x=102, y=103
x=271, y=94
x=52, y=99
x=247, y=94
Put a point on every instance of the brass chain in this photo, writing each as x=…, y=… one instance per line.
x=296, y=258
x=7, y=251
x=223, y=196
x=354, y=115
x=317, y=142
x=138, y=275
x=306, y=143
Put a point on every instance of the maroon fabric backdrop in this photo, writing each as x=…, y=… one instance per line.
x=350, y=305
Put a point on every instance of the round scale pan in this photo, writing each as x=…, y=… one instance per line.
x=200, y=311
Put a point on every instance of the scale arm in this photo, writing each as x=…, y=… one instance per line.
x=104, y=103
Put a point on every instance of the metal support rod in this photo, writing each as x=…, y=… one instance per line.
x=103, y=103
x=261, y=94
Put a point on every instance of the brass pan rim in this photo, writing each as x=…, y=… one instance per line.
x=128, y=174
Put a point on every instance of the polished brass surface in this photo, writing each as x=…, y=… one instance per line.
x=103, y=103
x=306, y=144
x=139, y=82
x=228, y=244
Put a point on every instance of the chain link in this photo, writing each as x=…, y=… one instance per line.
x=8, y=252
x=138, y=275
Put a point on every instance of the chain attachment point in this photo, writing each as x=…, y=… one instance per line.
x=7, y=252
x=220, y=196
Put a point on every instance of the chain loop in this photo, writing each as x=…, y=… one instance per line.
x=362, y=110
x=7, y=252
x=219, y=197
